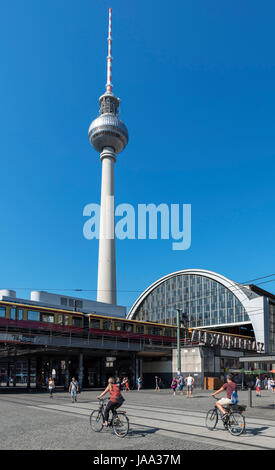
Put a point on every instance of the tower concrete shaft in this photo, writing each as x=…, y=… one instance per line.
x=106, y=280
x=109, y=136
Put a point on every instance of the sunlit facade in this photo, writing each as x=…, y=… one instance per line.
x=208, y=300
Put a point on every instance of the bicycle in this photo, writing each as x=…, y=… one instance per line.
x=119, y=422
x=234, y=421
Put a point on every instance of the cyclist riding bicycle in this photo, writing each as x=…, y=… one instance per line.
x=116, y=399
x=229, y=387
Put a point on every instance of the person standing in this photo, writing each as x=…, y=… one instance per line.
x=51, y=386
x=73, y=389
x=139, y=380
x=174, y=385
x=189, y=382
x=272, y=384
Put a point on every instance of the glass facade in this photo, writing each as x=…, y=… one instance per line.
x=205, y=301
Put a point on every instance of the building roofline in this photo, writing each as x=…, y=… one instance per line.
x=239, y=291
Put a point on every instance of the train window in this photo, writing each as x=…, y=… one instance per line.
x=60, y=319
x=153, y=331
x=95, y=324
x=128, y=327
x=158, y=331
x=13, y=313
x=107, y=325
x=33, y=316
x=118, y=326
x=47, y=318
x=2, y=312
x=19, y=314
x=168, y=332
x=140, y=329
x=66, y=320
x=77, y=321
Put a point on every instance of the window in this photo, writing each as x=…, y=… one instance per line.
x=95, y=324
x=13, y=313
x=140, y=329
x=63, y=301
x=2, y=312
x=66, y=320
x=19, y=314
x=47, y=318
x=118, y=326
x=168, y=332
x=151, y=330
x=128, y=327
x=77, y=321
x=60, y=319
x=107, y=325
x=33, y=316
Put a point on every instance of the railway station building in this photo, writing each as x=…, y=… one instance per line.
x=210, y=302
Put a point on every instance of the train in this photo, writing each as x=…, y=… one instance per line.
x=41, y=319
x=24, y=317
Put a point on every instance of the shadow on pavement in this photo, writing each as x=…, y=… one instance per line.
x=141, y=433
x=256, y=431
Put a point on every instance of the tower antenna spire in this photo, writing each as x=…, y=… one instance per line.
x=109, y=85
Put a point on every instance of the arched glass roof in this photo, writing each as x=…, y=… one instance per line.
x=207, y=299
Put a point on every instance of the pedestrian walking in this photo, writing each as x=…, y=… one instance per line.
x=272, y=384
x=127, y=385
x=51, y=386
x=258, y=386
x=174, y=385
x=73, y=389
x=118, y=382
x=157, y=389
x=189, y=382
x=124, y=384
x=139, y=382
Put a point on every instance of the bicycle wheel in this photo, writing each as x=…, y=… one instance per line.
x=96, y=421
x=211, y=419
x=121, y=424
x=236, y=424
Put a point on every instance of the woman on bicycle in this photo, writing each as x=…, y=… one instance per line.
x=116, y=399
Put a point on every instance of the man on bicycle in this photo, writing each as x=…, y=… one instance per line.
x=229, y=387
x=116, y=399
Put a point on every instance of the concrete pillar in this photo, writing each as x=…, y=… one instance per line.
x=106, y=281
x=28, y=374
x=39, y=378
x=8, y=374
x=80, y=371
x=67, y=375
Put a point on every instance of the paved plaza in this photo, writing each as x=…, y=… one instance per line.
x=158, y=421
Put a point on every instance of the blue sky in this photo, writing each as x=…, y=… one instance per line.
x=196, y=82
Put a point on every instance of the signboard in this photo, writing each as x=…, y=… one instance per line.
x=226, y=341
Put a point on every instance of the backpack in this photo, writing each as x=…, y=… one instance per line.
x=234, y=398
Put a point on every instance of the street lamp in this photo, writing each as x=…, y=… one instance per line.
x=180, y=323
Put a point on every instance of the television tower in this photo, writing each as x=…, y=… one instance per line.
x=109, y=136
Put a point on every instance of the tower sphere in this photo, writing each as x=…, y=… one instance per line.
x=108, y=131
